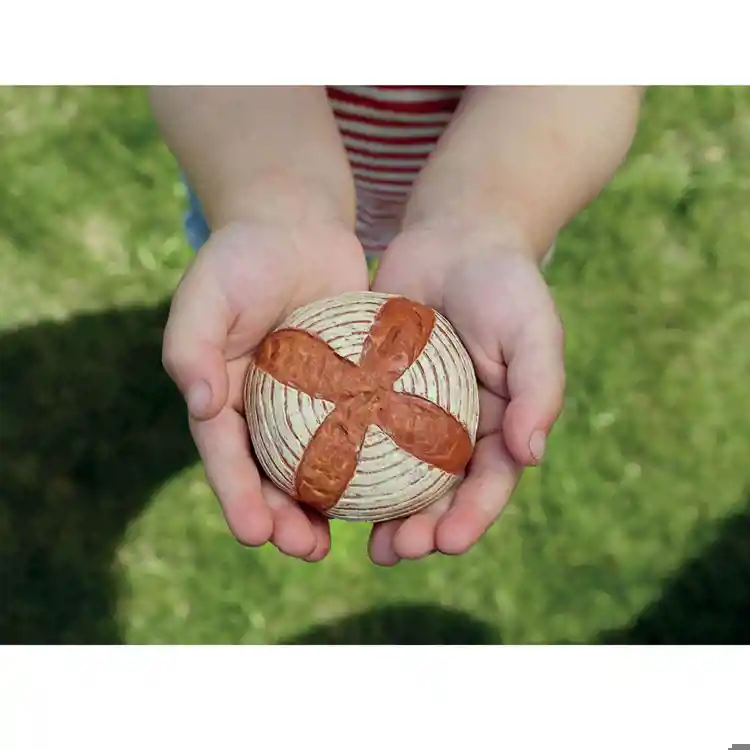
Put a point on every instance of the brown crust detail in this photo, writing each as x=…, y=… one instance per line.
x=364, y=395
x=330, y=458
x=426, y=430
x=307, y=363
x=397, y=337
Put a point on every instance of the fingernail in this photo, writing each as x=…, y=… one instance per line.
x=199, y=397
x=537, y=444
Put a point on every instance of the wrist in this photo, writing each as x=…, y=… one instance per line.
x=280, y=198
x=475, y=235
x=427, y=257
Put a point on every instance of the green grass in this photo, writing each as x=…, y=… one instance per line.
x=637, y=529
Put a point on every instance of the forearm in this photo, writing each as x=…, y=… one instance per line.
x=525, y=160
x=260, y=152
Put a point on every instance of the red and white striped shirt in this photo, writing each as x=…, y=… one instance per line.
x=389, y=132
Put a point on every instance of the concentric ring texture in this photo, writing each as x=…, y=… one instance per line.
x=389, y=482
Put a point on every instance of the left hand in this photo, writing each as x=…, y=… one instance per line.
x=494, y=294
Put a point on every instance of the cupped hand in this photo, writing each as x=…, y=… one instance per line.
x=495, y=296
x=240, y=285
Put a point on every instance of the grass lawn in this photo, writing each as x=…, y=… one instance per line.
x=637, y=528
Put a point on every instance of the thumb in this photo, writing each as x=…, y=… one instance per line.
x=536, y=384
x=193, y=345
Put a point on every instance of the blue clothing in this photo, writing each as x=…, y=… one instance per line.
x=196, y=227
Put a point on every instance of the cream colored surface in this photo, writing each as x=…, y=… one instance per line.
x=389, y=482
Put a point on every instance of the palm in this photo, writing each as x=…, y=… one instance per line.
x=240, y=286
x=501, y=308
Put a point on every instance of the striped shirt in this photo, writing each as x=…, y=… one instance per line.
x=389, y=132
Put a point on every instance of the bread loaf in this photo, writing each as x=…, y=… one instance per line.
x=364, y=406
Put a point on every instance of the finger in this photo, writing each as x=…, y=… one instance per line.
x=416, y=536
x=380, y=547
x=193, y=346
x=223, y=444
x=536, y=383
x=492, y=477
x=322, y=530
x=491, y=412
x=293, y=532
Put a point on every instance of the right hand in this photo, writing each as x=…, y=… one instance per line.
x=242, y=282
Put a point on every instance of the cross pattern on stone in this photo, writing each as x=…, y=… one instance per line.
x=364, y=395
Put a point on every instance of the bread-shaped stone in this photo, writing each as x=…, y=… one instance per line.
x=364, y=406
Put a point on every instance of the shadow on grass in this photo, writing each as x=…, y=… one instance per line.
x=90, y=427
x=402, y=625
x=707, y=602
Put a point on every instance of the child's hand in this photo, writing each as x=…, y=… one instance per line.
x=498, y=301
x=241, y=283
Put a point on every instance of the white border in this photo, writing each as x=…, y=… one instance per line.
x=388, y=41
x=359, y=697
x=416, y=698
